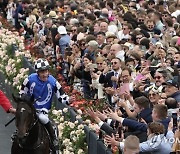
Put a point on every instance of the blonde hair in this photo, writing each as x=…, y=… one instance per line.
x=131, y=143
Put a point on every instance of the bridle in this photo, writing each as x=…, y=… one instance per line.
x=38, y=144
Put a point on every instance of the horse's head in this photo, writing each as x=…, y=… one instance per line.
x=25, y=116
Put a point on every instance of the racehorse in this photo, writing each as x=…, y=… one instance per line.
x=32, y=138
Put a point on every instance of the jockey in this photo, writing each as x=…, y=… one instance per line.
x=5, y=103
x=41, y=85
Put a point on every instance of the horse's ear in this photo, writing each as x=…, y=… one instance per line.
x=16, y=98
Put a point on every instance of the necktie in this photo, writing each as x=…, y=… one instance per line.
x=114, y=82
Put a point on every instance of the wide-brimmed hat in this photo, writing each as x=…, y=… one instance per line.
x=52, y=14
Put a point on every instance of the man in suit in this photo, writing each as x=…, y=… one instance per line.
x=110, y=79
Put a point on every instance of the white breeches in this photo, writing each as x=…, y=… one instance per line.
x=43, y=115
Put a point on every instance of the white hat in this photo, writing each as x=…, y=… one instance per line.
x=62, y=30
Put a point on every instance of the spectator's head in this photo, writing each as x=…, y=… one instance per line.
x=159, y=112
x=116, y=64
x=155, y=128
x=99, y=62
x=150, y=24
x=104, y=27
x=110, y=38
x=92, y=45
x=127, y=28
x=82, y=44
x=151, y=4
x=126, y=75
x=154, y=95
x=100, y=38
x=144, y=44
x=171, y=103
x=96, y=27
x=160, y=77
x=105, y=50
x=169, y=62
x=131, y=145
x=87, y=59
x=115, y=48
x=177, y=57
x=136, y=57
x=48, y=23
x=141, y=103
x=130, y=62
x=171, y=86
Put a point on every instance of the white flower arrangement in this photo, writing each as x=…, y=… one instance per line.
x=71, y=134
x=11, y=54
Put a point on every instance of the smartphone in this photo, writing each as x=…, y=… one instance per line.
x=124, y=88
x=174, y=116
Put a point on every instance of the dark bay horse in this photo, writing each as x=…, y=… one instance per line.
x=32, y=138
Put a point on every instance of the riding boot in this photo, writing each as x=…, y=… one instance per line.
x=52, y=134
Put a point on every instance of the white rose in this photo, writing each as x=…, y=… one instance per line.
x=80, y=151
x=61, y=119
x=72, y=125
x=65, y=110
x=78, y=117
x=81, y=126
x=88, y=121
x=55, y=112
x=79, y=111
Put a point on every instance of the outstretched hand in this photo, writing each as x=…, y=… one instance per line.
x=111, y=140
x=113, y=115
x=101, y=115
x=93, y=114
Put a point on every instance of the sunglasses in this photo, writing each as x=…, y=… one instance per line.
x=150, y=26
x=113, y=63
x=141, y=20
x=138, y=38
x=157, y=77
x=73, y=30
x=99, y=63
x=153, y=94
x=83, y=44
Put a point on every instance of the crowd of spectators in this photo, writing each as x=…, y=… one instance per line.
x=127, y=51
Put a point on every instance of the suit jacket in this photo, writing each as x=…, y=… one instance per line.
x=109, y=130
x=142, y=126
x=106, y=79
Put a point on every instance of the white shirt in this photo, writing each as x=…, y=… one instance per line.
x=122, y=36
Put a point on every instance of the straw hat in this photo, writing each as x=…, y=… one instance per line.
x=52, y=14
